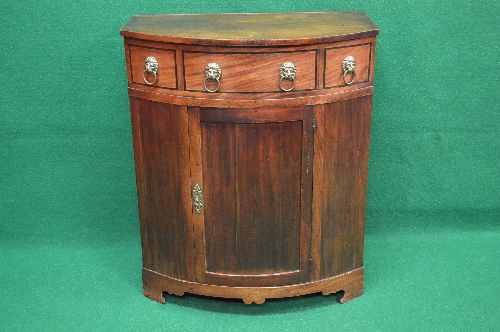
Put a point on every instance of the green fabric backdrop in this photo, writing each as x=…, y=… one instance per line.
x=69, y=231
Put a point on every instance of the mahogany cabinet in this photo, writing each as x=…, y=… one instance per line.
x=251, y=137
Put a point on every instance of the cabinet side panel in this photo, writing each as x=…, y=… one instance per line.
x=366, y=107
x=345, y=162
x=160, y=181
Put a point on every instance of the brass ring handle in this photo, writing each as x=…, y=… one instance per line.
x=287, y=73
x=205, y=84
x=151, y=65
x=289, y=89
x=349, y=67
x=352, y=80
x=213, y=73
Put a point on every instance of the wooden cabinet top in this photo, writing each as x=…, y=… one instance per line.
x=251, y=29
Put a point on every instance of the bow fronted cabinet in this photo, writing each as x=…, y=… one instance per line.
x=251, y=137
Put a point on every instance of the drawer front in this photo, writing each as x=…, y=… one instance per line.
x=166, y=74
x=333, y=67
x=250, y=72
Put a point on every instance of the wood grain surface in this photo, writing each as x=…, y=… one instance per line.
x=251, y=28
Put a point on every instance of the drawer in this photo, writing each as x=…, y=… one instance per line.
x=250, y=72
x=166, y=74
x=333, y=65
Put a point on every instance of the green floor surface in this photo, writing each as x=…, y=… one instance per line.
x=426, y=278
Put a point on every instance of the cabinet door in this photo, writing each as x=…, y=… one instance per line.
x=254, y=169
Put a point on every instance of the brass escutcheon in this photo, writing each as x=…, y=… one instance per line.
x=197, y=198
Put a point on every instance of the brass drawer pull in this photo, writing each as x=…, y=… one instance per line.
x=349, y=67
x=287, y=73
x=213, y=73
x=151, y=65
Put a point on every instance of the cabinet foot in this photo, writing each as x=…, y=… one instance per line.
x=155, y=286
x=154, y=295
x=351, y=290
x=256, y=300
x=350, y=295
